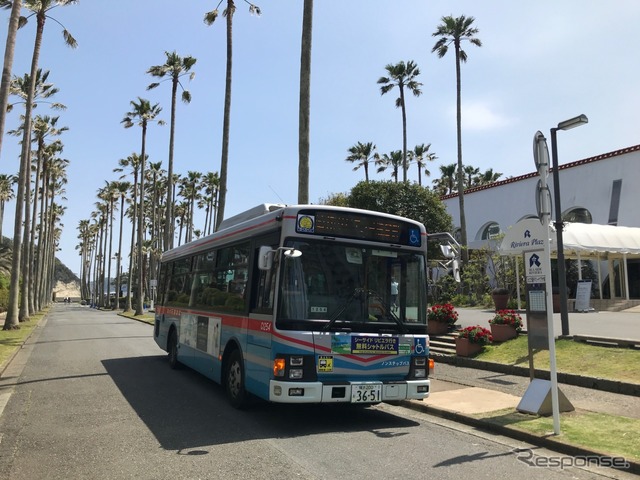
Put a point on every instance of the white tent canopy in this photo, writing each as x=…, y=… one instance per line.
x=580, y=240
x=601, y=238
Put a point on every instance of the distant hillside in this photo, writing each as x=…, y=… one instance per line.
x=61, y=274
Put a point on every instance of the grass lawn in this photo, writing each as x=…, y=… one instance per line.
x=609, y=434
x=11, y=340
x=571, y=357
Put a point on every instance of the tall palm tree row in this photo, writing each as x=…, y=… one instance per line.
x=40, y=9
x=454, y=31
x=196, y=191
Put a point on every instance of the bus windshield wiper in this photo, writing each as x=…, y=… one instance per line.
x=334, y=318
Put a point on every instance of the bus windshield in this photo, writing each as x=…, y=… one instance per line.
x=344, y=287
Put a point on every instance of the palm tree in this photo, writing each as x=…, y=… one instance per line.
x=446, y=183
x=470, y=175
x=209, y=18
x=189, y=189
x=6, y=194
x=133, y=162
x=121, y=189
x=305, y=95
x=393, y=160
x=40, y=9
x=402, y=76
x=142, y=113
x=363, y=154
x=10, y=47
x=175, y=67
x=211, y=184
x=489, y=176
x=455, y=31
x=421, y=155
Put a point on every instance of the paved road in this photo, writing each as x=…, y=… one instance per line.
x=91, y=396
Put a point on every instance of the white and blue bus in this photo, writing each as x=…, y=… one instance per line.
x=301, y=304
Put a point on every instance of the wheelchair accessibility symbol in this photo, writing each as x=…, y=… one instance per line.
x=420, y=346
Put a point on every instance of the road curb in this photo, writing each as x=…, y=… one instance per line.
x=603, y=384
x=543, y=442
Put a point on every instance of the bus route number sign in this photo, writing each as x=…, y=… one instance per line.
x=366, y=392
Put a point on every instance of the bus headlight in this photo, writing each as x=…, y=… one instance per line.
x=420, y=373
x=295, y=373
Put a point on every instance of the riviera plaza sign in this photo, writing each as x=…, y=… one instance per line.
x=527, y=234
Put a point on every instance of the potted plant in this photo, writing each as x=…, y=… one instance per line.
x=500, y=298
x=440, y=318
x=505, y=325
x=470, y=340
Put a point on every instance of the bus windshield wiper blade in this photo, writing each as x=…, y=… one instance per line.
x=340, y=311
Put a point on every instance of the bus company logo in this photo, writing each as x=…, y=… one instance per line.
x=306, y=223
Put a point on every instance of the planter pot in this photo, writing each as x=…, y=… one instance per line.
x=465, y=348
x=500, y=300
x=502, y=333
x=437, y=328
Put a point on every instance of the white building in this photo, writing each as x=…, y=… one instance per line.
x=604, y=189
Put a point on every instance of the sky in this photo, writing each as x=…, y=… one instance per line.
x=540, y=63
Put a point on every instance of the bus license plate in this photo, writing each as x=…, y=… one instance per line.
x=366, y=393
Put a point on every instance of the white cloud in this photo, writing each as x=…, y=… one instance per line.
x=480, y=116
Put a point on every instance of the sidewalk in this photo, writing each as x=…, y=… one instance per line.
x=472, y=396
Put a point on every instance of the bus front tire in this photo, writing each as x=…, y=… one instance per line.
x=235, y=380
x=173, y=350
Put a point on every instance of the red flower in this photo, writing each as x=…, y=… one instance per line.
x=507, y=317
x=445, y=313
x=476, y=334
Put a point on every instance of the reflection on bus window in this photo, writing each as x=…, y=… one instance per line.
x=335, y=282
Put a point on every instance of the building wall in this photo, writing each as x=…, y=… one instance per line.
x=585, y=183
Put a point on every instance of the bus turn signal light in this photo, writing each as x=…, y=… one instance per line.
x=278, y=367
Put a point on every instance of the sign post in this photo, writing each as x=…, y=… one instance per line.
x=539, y=300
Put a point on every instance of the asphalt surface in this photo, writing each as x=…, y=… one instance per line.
x=462, y=392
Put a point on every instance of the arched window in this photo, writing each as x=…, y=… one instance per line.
x=491, y=231
x=577, y=215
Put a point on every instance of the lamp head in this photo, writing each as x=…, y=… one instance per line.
x=573, y=122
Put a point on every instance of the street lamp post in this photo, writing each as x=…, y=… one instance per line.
x=562, y=274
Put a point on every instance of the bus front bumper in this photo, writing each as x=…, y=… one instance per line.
x=318, y=392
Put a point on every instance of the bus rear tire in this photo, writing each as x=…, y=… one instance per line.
x=173, y=350
x=234, y=381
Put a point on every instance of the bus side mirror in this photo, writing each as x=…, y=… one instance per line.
x=266, y=253
x=265, y=258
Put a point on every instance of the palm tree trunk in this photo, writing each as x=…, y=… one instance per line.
x=169, y=221
x=227, y=115
x=305, y=95
x=404, y=137
x=140, y=260
x=8, y=65
x=463, y=221
x=12, y=318
x=118, y=275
